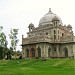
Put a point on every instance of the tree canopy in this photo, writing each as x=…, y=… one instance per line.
x=6, y=52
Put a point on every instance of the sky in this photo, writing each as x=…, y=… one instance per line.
x=19, y=14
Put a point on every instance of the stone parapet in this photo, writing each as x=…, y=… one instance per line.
x=36, y=39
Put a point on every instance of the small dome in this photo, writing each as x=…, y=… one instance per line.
x=31, y=25
x=69, y=26
x=47, y=18
x=55, y=18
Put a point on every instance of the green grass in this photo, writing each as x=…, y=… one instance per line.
x=38, y=67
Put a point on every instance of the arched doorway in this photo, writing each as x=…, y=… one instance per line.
x=27, y=53
x=33, y=52
x=65, y=52
x=49, y=52
x=39, y=52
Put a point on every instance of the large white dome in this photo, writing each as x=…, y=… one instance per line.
x=47, y=18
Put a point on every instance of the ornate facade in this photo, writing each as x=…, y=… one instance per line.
x=50, y=39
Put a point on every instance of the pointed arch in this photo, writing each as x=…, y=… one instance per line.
x=33, y=52
x=27, y=52
x=65, y=52
x=49, y=52
x=39, y=51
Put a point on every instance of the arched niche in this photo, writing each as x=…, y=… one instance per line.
x=33, y=52
x=49, y=52
x=27, y=52
x=65, y=52
x=39, y=51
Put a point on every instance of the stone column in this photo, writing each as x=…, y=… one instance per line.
x=24, y=53
x=30, y=53
x=58, y=55
x=36, y=52
x=42, y=49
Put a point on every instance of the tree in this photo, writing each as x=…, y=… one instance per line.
x=3, y=43
x=1, y=52
x=19, y=55
x=13, y=37
x=9, y=53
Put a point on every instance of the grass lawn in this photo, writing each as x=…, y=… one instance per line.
x=37, y=67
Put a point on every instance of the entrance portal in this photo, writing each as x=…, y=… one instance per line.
x=27, y=53
x=49, y=52
x=33, y=52
x=39, y=52
x=66, y=52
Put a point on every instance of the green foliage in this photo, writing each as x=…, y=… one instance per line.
x=38, y=67
x=3, y=44
x=2, y=37
x=6, y=52
x=13, y=37
x=1, y=52
x=9, y=53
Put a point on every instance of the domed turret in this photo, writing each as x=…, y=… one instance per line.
x=55, y=18
x=47, y=18
x=31, y=27
x=55, y=21
x=69, y=26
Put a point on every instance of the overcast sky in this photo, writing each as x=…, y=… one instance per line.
x=20, y=13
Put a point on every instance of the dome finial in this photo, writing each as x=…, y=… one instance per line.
x=50, y=10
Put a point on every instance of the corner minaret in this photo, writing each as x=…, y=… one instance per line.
x=55, y=21
x=31, y=27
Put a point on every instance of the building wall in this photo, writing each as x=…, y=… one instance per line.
x=74, y=50
x=69, y=47
x=57, y=50
x=44, y=38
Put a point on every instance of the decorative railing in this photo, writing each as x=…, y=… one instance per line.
x=36, y=39
x=66, y=38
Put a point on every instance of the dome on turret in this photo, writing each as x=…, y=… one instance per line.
x=47, y=18
x=31, y=25
x=69, y=26
x=55, y=18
